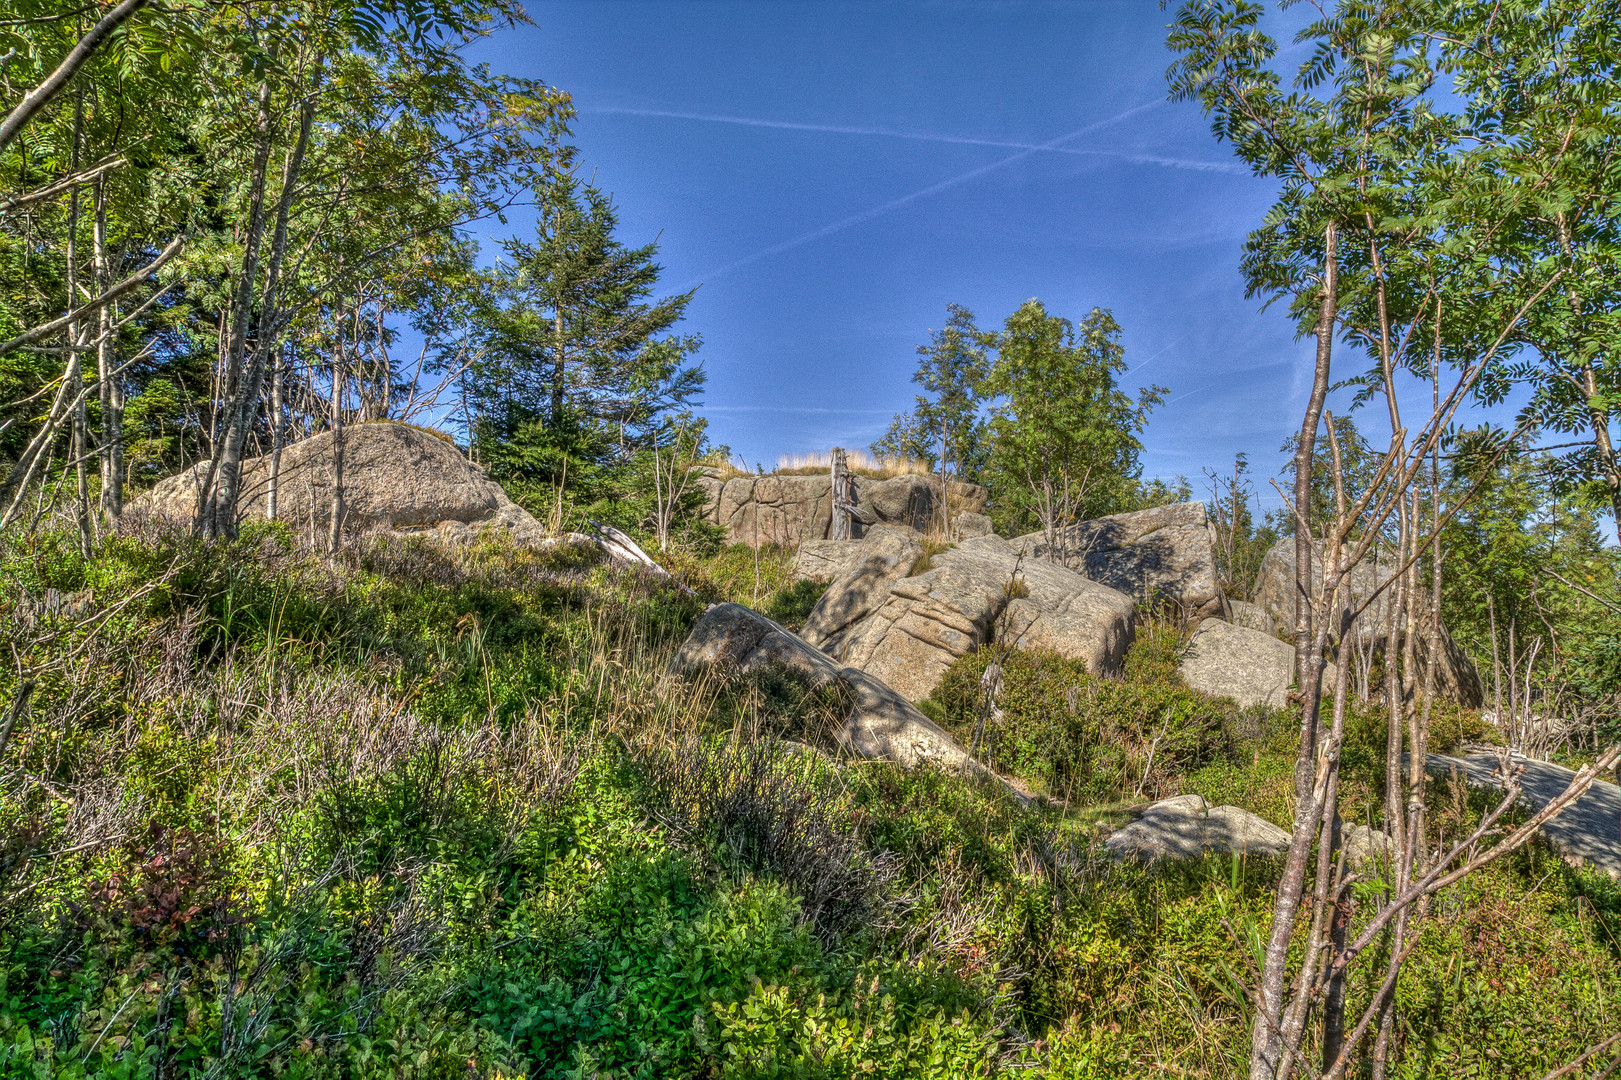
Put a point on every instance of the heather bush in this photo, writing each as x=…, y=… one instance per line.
x=445, y=813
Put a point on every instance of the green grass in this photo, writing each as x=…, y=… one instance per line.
x=444, y=814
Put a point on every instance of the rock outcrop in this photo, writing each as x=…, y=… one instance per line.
x=980, y=587
x=791, y=509
x=829, y=560
x=396, y=478
x=881, y=724
x=1456, y=677
x=1251, y=616
x=1226, y=660
x=1588, y=830
x=1162, y=553
x=1186, y=827
x=869, y=568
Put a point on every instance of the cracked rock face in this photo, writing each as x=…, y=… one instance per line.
x=395, y=478
x=868, y=567
x=790, y=510
x=1164, y=553
x=830, y=560
x=926, y=622
x=881, y=724
x=1225, y=660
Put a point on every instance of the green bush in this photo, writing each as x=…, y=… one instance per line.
x=440, y=814
x=1077, y=734
x=762, y=580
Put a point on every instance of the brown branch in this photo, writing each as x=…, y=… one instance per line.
x=1579, y=1062
x=58, y=80
x=83, y=176
x=129, y=284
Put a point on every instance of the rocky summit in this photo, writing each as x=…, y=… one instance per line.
x=396, y=478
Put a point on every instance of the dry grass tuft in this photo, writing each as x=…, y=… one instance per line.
x=861, y=463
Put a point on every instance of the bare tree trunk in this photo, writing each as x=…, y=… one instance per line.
x=76, y=341
x=839, y=495
x=335, y=533
x=559, y=365
x=1599, y=418
x=1497, y=662
x=278, y=377
x=1267, y=1035
x=218, y=510
x=1331, y=888
x=112, y=391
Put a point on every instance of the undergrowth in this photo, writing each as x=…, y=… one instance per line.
x=436, y=813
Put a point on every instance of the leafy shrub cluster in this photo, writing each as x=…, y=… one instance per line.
x=1079, y=735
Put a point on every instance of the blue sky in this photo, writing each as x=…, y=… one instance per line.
x=832, y=175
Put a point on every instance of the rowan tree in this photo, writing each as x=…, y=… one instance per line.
x=1064, y=438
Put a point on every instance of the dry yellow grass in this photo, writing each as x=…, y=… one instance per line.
x=861, y=463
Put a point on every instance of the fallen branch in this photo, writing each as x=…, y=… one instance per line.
x=622, y=548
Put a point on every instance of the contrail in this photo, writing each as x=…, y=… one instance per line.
x=1144, y=363
x=788, y=125
x=794, y=409
x=917, y=136
x=932, y=189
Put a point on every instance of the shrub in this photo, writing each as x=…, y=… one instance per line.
x=763, y=810
x=1154, y=651
x=173, y=891
x=1077, y=734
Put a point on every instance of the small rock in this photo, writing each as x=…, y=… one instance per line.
x=829, y=560
x=1456, y=676
x=1364, y=845
x=396, y=478
x=795, y=509
x=1185, y=828
x=968, y=525
x=1251, y=616
x=926, y=622
x=1229, y=828
x=1179, y=804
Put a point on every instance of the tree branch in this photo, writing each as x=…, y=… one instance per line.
x=37, y=98
x=130, y=283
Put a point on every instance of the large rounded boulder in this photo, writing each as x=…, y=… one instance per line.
x=396, y=478
x=1164, y=553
